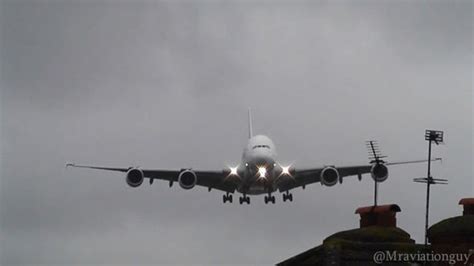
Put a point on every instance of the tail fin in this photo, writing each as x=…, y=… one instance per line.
x=250, y=124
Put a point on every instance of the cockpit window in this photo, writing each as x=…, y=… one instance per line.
x=261, y=146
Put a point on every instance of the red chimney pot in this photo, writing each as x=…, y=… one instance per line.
x=468, y=204
x=382, y=215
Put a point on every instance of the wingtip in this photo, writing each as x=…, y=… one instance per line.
x=70, y=165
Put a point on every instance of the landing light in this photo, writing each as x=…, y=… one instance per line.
x=285, y=170
x=233, y=170
x=262, y=171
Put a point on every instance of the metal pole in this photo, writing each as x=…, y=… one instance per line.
x=428, y=183
x=375, y=193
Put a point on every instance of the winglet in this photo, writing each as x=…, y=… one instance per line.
x=250, y=124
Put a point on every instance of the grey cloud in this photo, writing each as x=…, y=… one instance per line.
x=166, y=85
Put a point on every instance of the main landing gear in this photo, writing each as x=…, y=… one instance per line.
x=227, y=198
x=287, y=196
x=269, y=198
x=244, y=198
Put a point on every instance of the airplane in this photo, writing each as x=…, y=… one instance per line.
x=258, y=173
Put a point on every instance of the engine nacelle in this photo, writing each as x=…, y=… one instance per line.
x=379, y=172
x=187, y=179
x=134, y=177
x=329, y=176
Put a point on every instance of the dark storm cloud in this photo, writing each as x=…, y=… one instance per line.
x=166, y=85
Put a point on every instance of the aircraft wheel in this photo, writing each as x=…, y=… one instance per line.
x=290, y=197
x=284, y=198
x=241, y=200
x=224, y=198
x=230, y=198
x=247, y=199
x=272, y=199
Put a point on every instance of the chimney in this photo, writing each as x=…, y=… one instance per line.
x=382, y=215
x=468, y=204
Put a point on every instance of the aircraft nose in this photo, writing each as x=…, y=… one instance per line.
x=264, y=161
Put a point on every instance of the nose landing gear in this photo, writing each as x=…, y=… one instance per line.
x=244, y=198
x=287, y=196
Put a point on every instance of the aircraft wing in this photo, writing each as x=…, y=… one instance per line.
x=305, y=177
x=210, y=179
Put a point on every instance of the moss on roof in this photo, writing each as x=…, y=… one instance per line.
x=452, y=227
x=378, y=234
x=356, y=246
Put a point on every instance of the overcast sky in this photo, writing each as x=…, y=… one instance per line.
x=167, y=85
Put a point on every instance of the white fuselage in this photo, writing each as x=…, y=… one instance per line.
x=258, y=169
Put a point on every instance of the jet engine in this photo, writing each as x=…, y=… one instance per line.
x=379, y=172
x=329, y=176
x=134, y=177
x=187, y=179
